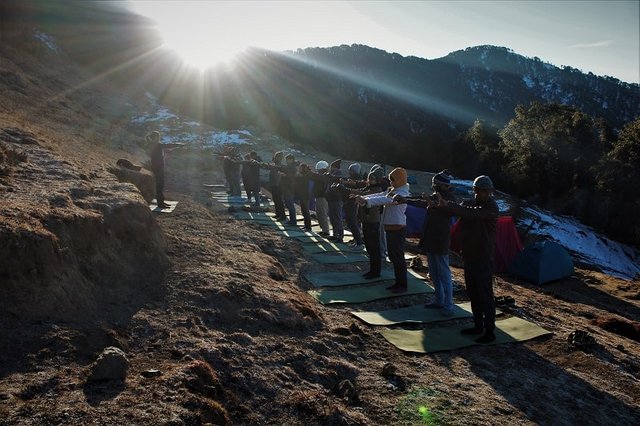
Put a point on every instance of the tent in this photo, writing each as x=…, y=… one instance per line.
x=542, y=262
x=507, y=246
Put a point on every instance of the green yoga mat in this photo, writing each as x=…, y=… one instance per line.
x=414, y=314
x=339, y=258
x=252, y=216
x=310, y=239
x=328, y=247
x=366, y=294
x=437, y=339
x=337, y=279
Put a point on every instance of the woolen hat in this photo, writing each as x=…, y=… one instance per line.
x=398, y=177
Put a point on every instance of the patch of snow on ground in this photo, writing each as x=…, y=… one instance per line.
x=245, y=132
x=219, y=138
x=528, y=81
x=586, y=245
x=160, y=115
x=49, y=41
x=192, y=123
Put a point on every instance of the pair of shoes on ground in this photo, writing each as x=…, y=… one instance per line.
x=395, y=288
x=487, y=336
x=323, y=234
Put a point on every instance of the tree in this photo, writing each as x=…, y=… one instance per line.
x=550, y=151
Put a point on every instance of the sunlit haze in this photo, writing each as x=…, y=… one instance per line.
x=601, y=37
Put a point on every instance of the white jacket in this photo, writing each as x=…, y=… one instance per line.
x=392, y=214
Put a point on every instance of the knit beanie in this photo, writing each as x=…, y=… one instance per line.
x=398, y=177
x=376, y=173
x=354, y=168
x=336, y=164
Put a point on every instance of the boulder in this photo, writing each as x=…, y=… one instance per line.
x=112, y=364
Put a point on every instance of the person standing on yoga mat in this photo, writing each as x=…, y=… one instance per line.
x=478, y=218
x=370, y=219
x=156, y=152
x=394, y=222
x=435, y=241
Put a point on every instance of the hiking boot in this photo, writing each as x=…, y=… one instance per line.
x=371, y=275
x=164, y=205
x=433, y=305
x=487, y=337
x=323, y=234
x=472, y=330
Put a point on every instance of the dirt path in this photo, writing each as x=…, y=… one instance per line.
x=238, y=340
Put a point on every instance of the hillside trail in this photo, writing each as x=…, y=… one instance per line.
x=237, y=340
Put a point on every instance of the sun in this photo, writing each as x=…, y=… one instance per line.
x=203, y=34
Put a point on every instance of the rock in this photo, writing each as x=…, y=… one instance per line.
x=151, y=373
x=112, y=364
x=142, y=179
x=388, y=370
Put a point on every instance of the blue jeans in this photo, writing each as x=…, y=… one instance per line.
x=441, y=277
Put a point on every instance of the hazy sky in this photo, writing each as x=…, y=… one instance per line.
x=602, y=37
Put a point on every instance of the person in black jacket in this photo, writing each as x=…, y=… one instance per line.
x=275, y=178
x=370, y=219
x=156, y=152
x=251, y=176
x=302, y=193
x=320, y=194
x=435, y=241
x=478, y=218
x=334, y=199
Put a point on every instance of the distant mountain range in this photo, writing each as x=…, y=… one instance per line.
x=349, y=100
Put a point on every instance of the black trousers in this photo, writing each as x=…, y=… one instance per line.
x=371, y=236
x=159, y=177
x=478, y=278
x=278, y=203
x=395, y=248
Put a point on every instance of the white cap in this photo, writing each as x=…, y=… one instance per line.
x=322, y=165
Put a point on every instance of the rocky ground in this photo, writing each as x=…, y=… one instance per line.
x=236, y=340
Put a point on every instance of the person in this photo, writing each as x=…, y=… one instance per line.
x=156, y=152
x=478, y=218
x=231, y=167
x=302, y=193
x=435, y=241
x=320, y=194
x=350, y=207
x=289, y=187
x=251, y=176
x=275, y=178
x=334, y=201
x=370, y=219
x=385, y=184
x=395, y=223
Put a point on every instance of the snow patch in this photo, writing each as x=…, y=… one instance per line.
x=586, y=245
x=48, y=40
x=528, y=81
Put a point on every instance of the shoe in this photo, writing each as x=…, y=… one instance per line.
x=366, y=273
x=432, y=305
x=487, y=337
x=292, y=223
x=323, y=234
x=472, y=330
x=446, y=312
x=304, y=228
x=399, y=289
x=391, y=287
x=370, y=276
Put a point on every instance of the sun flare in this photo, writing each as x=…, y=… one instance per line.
x=203, y=34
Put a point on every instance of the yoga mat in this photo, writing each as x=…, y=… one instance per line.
x=252, y=216
x=327, y=247
x=310, y=239
x=154, y=207
x=366, y=294
x=509, y=330
x=340, y=258
x=337, y=279
x=415, y=314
